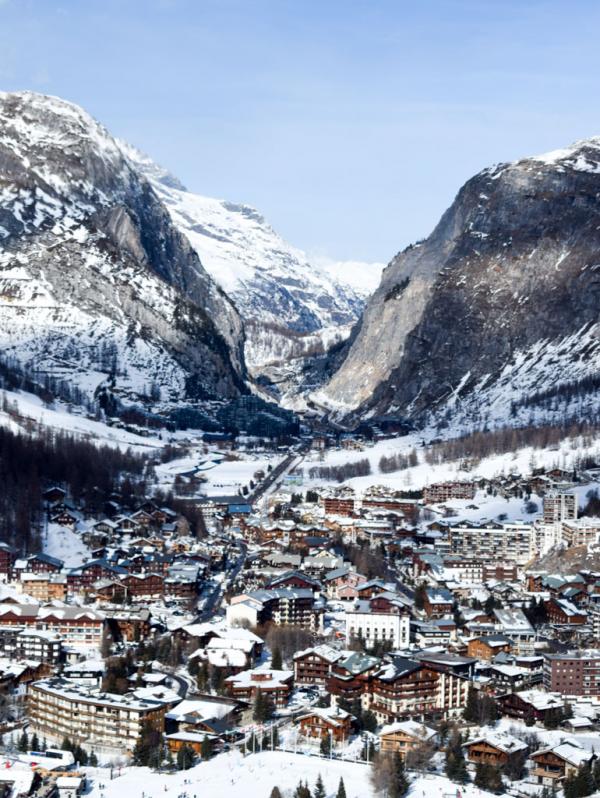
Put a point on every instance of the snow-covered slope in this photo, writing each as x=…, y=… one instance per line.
x=96, y=283
x=282, y=295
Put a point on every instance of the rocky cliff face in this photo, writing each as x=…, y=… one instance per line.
x=500, y=302
x=291, y=307
x=95, y=279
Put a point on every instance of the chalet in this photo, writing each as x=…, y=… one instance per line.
x=563, y=612
x=54, y=494
x=495, y=748
x=374, y=587
x=437, y=602
x=351, y=676
x=314, y=665
x=487, y=647
x=556, y=763
x=326, y=723
x=147, y=586
x=534, y=704
x=343, y=583
x=403, y=736
x=295, y=579
x=84, y=576
x=42, y=564
x=276, y=684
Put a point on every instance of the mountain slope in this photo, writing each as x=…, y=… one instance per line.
x=290, y=305
x=500, y=302
x=96, y=283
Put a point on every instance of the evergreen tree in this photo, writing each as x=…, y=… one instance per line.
x=325, y=747
x=456, y=768
x=147, y=744
x=35, y=742
x=206, y=748
x=488, y=777
x=275, y=793
x=400, y=782
x=341, y=792
x=185, y=757
x=319, y=791
x=276, y=659
x=471, y=710
x=419, y=596
x=93, y=760
x=23, y=744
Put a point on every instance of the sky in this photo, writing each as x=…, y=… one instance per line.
x=350, y=125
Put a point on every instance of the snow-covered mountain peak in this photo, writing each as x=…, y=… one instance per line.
x=582, y=155
x=274, y=285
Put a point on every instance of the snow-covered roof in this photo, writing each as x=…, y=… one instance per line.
x=501, y=740
x=409, y=727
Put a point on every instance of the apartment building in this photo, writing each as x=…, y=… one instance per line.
x=559, y=507
x=573, y=674
x=314, y=665
x=505, y=542
x=76, y=625
x=284, y=606
x=20, y=642
x=443, y=491
x=103, y=722
x=406, y=687
x=583, y=532
x=378, y=620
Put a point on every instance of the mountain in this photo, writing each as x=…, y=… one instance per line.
x=292, y=307
x=493, y=319
x=97, y=285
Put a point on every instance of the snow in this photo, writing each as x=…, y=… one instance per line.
x=63, y=543
x=520, y=461
x=232, y=775
x=24, y=408
x=270, y=281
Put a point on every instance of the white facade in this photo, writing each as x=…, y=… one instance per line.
x=377, y=627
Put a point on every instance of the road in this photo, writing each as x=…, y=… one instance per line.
x=291, y=461
x=213, y=601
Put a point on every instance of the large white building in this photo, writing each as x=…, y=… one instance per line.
x=508, y=542
x=378, y=625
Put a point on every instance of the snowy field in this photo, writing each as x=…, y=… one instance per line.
x=31, y=408
x=522, y=461
x=254, y=776
x=62, y=542
x=232, y=775
x=221, y=476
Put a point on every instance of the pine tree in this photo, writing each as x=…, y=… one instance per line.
x=93, y=760
x=276, y=659
x=185, y=757
x=400, y=783
x=35, y=742
x=319, y=791
x=456, y=768
x=325, y=747
x=275, y=793
x=23, y=744
x=206, y=748
x=471, y=710
x=341, y=793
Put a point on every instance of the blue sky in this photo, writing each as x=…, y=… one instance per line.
x=349, y=124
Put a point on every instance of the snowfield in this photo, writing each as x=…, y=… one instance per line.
x=25, y=408
x=522, y=461
x=254, y=776
x=63, y=543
